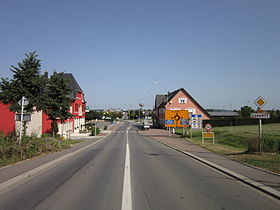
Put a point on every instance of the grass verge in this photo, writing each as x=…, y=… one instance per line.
x=232, y=142
x=11, y=151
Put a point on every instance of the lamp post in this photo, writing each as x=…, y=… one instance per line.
x=160, y=85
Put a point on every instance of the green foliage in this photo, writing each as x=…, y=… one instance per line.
x=93, y=131
x=57, y=99
x=92, y=115
x=11, y=151
x=246, y=111
x=27, y=82
x=50, y=95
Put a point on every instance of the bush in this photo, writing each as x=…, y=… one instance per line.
x=270, y=144
x=93, y=131
x=12, y=151
x=253, y=145
x=105, y=127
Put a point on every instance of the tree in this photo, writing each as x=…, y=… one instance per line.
x=246, y=111
x=57, y=100
x=27, y=81
x=92, y=115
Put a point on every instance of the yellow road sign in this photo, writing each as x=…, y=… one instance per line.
x=260, y=102
x=176, y=118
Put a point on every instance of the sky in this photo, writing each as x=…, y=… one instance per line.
x=225, y=53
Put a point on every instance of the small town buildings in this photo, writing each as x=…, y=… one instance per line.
x=7, y=119
x=177, y=100
x=77, y=109
x=40, y=124
x=221, y=113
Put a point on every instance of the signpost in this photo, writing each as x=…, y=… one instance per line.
x=176, y=119
x=23, y=102
x=196, y=122
x=260, y=102
x=208, y=133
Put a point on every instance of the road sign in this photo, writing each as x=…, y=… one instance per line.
x=176, y=118
x=208, y=127
x=260, y=102
x=26, y=117
x=24, y=101
x=261, y=115
x=206, y=135
x=196, y=121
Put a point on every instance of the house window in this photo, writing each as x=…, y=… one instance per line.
x=182, y=100
x=76, y=108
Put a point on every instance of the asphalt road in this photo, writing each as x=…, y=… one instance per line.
x=158, y=178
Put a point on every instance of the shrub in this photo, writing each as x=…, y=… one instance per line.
x=93, y=131
x=253, y=145
x=270, y=143
x=105, y=127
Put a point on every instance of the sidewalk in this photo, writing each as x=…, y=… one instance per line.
x=17, y=169
x=268, y=179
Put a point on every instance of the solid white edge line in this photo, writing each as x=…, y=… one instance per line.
x=126, y=197
x=272, y=192
x=13, y=181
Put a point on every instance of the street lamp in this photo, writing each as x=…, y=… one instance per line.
x=160, y=85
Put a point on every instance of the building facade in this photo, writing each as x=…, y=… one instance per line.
x=177, y=100
x=40, y=124
x=7, y=119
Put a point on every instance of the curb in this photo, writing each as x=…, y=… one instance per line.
x=268, y=190
x=13, y=181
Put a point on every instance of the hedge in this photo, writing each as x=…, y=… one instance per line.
x=236, y=122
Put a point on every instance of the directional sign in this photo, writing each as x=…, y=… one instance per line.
x=24, y=101
x=176, y=118
x=196, y=121
x=260, y=102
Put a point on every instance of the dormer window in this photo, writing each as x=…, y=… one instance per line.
x=182, y=100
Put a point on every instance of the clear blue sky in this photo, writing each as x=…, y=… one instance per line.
x=225, y=53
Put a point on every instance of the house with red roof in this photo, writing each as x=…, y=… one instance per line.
x=177, y=100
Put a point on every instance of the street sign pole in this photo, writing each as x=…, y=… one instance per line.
x=260, y=133
x=260, y=102
x=21, y=118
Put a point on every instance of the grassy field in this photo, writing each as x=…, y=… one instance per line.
x=232, y=141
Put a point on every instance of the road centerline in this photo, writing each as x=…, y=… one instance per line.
x=126, y=197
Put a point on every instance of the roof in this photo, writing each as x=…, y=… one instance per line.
x=73, y=84
x=222, y=113
x=174, y=93
x=159, y=100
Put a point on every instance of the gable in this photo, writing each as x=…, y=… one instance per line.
x=180, y=99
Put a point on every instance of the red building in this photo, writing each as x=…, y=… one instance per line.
x=40, y=123
x=7, y=119
x=77, y=108
x=177, y=100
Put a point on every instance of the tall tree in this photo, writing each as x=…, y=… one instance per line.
x=57, y=100
x=27, y=81
x=246, y=111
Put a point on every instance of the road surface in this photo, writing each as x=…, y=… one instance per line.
x=128, y=170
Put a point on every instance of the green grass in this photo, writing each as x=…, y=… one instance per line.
x=232, y=141
x=11, y=151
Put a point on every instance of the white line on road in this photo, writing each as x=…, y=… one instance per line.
x=4, y=186
x=126, y=197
